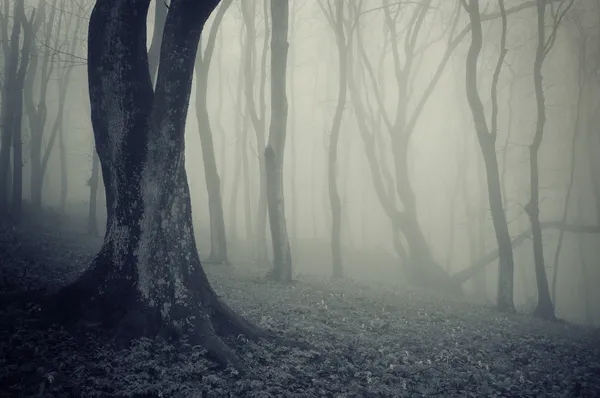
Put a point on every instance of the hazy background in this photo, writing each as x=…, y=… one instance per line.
x=444, y=137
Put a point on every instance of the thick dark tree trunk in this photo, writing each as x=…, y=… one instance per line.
x=282, y=259
x=218, y=239
x=147, y=278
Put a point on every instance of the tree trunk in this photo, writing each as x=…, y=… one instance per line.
x=274, y=153
x=29, y=30
x=240, y=146
x=92, y=227
x=9, y=98
x=147, y=279
x=487, y=141
x=257, y=116
x=545, y=308
x=218, y=238
x=37, y=114
x=565, y=213
x=337, y=23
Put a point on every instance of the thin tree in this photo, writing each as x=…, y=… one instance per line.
x=580, y=47
x=218, y=238
x=274, y=152
x=336, y=22
x=487, y=141
x=257, y=114
x=545, y=308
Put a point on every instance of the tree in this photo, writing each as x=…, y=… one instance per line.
x=147, y=278
x=487, y=141
x=336, y=22
x=37, y=111
x=12, y=108
x=282, y=259
x=580, y=54
x=257, y=114
x=545, y=308
x=218, y=238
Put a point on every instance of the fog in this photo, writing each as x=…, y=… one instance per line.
x=444, y=159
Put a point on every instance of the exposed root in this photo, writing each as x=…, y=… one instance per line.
x=232, y=324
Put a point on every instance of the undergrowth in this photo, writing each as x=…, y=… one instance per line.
x=369, y=341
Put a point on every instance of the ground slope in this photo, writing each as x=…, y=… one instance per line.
x=368, y=342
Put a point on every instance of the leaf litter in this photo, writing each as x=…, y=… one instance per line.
x=368, y=341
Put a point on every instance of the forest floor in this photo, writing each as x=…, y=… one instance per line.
x=369, y=341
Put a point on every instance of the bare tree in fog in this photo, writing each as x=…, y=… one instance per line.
x=282, y=259
x=12, y=103
x=147, y=280
x=579, y=43
x=37, y=113
x=336, y=22
x=218, y=239
x=257, y=115
x=545, y=308
x=487, y=141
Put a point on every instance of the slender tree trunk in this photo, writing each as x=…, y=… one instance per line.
x=257, y=116
x=92, y=227
x=29, y=30
x=37, y=114
x=293, y=146
x=249, y=223
x=545, y=308
x=240, y=145
x=572, y=167
x=487, y=141
x=337, y=22
x=274, y=153
x=585, y=282
x=218, y=239
x=9, y=97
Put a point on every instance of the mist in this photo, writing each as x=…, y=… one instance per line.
x=445, y=146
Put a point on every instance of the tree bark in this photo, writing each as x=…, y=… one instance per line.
x=274, y=153
x=147, y=279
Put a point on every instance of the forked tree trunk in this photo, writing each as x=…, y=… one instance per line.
x=282, y=259
x=487, y=141
x=147, y=278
